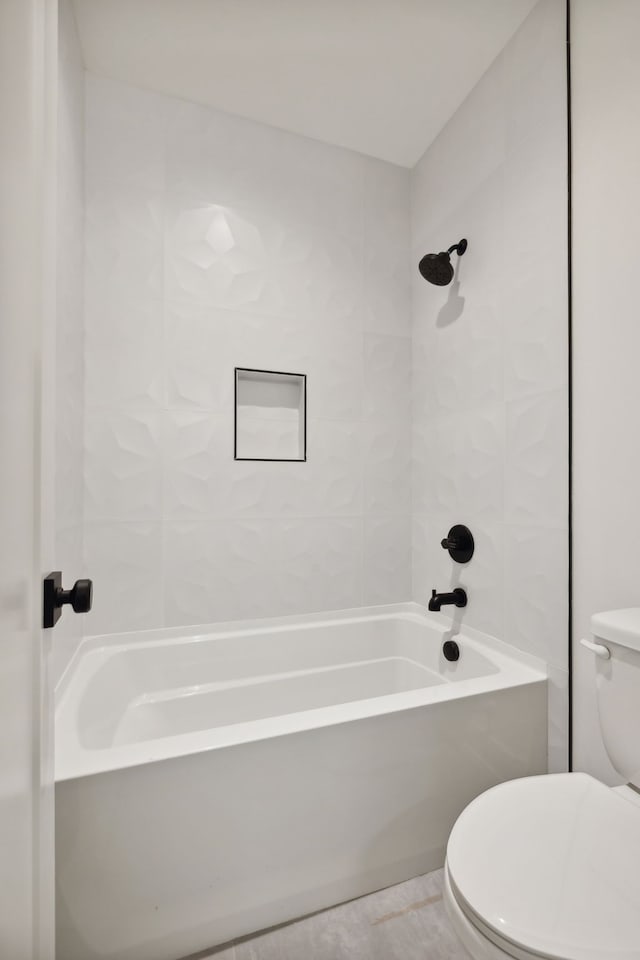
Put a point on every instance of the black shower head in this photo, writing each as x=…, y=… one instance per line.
x=437, y=268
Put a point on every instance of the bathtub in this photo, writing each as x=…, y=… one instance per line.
x=214, y=784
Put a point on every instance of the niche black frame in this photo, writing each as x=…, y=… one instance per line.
x=276, y=373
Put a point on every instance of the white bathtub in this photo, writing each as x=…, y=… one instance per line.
x=215, y=784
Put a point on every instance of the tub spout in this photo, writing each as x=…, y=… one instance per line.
x=457, y=598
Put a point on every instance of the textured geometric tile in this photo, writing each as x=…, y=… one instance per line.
x=335, y=469
x=125, y=562
x=536, y=488
x=216, y=242
x=328, y=484
x=321, y=563
x=235, y=569
x=267, y=490
x=459, y=463
x=469, y=354
x=216, y=257
x=536, y=345
x=335, y=381
x=199, y=369
x=197, y=452
x=210, y=567
x=536, y=591
x=387, y=366
x=123, y=465
x=124, y=350
x=387, y=477
x=124, y=242
x=387, y=559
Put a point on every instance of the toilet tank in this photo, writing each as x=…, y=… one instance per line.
x=618, y=688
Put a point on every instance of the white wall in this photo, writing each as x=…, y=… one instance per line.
x=69, y=329
x=490, y=401
x=606, y=337
x=215, y=242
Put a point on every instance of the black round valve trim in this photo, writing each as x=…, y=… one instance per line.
x=459, y=543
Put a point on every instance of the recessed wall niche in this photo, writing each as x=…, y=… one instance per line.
x=270, y=415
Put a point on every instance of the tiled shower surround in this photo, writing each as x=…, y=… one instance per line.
x=214, y=242
x=490, y=364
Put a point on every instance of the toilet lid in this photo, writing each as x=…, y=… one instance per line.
x=551, y=865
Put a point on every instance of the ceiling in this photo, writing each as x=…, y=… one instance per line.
x=378, y=76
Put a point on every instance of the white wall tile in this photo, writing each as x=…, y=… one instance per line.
x=215, y=569
x=123, y=465
x=469, y=353
x=335, y=462
x=322, y=563
x=125, y=562
x=124, y=353
x=536, y=476
x=536, y=350
x=218, y=257
x=335, y=382
x=232, y=569
x=273, y=490
x=536, y=592
x=459, y=463
x=124, y=241
x=199, y=367
x=214, y=242
x=387, y=473
x=387, y=559
x=387, y=385
x=196, y=448
x=489, y=352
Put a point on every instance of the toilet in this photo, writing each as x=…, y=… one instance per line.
x=549, y=867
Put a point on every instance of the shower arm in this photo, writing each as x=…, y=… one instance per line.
x=458, y=248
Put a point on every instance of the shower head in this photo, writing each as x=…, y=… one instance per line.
x=437, y=268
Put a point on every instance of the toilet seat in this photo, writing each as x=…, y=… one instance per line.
x=548, y=867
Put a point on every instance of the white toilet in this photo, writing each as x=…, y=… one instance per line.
x=549, y=867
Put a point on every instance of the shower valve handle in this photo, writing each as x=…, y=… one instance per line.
x=459, y=543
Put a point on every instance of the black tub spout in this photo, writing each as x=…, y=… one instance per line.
x=457, y=598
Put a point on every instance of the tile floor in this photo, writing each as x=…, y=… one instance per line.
x=405, y=922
